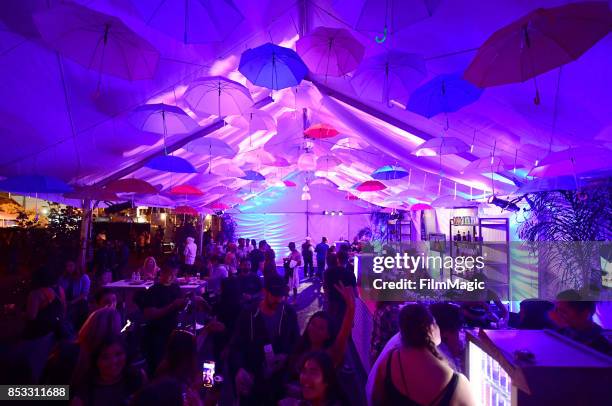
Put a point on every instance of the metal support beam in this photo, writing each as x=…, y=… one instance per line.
x=212, y=127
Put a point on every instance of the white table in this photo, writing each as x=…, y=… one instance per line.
x=129, y=285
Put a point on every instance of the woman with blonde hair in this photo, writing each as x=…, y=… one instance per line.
x=149, y=268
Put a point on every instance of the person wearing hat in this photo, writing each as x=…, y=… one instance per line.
x=307, y=254
x=264, y=336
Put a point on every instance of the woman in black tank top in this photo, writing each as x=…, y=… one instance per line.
x=420, y=336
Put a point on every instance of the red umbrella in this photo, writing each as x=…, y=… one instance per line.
x=321, y=131
x=131, y=185
x=371, y=186
x=187, y=190
x=289, y=183
x=539, y=42
x=93, y=193
x=219, y=206
x=186, y=210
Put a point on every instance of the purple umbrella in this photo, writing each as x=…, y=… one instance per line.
x=330, y=51
x=253, y=175
x=97, y=41
x=218, y=95
x=162, y=119
x=169, y=163
x=272, y=66
x=388, y=16
x=388, y=76
x=191, y=21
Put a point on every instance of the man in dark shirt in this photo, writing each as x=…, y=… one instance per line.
x=333, y=275
x=321, y=250
x=265, y=335
x=257, y=257
x=574, y=316
x=161, y=305
x=307, y=251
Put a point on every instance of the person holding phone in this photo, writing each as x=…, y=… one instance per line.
x=264, y=336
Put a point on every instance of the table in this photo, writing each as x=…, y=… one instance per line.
x=129, y=285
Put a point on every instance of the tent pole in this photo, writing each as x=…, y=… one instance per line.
x=200, y=233
x=85, y=233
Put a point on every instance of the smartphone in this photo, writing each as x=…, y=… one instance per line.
x=127, y=325
x=208, y=374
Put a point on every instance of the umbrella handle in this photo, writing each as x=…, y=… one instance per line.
x=382, y=39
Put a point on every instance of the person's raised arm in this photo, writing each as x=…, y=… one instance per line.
x=339, y=345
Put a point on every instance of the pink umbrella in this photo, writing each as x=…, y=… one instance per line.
x=573, y=161
x=320, y=131
x=441, y=146
x=218, y=95
x=539, y=42
x=289, y=183
x=219, y=206
x=253, y=120
x=371, y=186
x=330, y=51
x=162, y=119
x=186, y=190
x=420, y=206
x=131, y=185
x=97, y=41
x=280, y=162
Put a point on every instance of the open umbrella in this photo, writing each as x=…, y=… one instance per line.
x=186, y=210
x=220, y=190
x=443, y=94
x=252, y=175
x=34, y=184
x=154, y=200
x=327, y=163
x=186, y=190
x=320, y=131
x=390, y=75
x=259, y=156
x=97, y=41
x=162, y=119
x=539, y=42
x=420, y=206
x=279, y=162
x=227, y=169
x=219, y=206
x=131, y=185
x=191, y=21
x=371, y=186
x=211, y=146
x=217, y=95
x=441, y=146
x=330, y=51
x=272, y=66
x=573, y=161
x=485, y=165
x=389, y=172
x=548, y=184
x=169, y=163
x=451, y=201
x=253, y=120
x=289, y=183
x=388, y=16
x=93, y=193
x=350, y=196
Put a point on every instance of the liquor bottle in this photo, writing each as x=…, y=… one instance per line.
x=469, y=236
x=464, y=237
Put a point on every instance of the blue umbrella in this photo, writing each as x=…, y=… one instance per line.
x=443, y=94
x=34, y=184
x=272, y=66
x=169, y=163
x=252, y=175
x=191, y=21
x=388, y=172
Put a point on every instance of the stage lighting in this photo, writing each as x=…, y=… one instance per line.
x=504, y=204
x=340, y=213
x=333, y=213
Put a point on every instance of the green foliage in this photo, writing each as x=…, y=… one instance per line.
x=64, y=223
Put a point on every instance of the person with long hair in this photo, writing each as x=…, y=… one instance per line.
x=319, y=333
x=70, y=359
x=416, y=373
x=75, y=284
x=180, y=359
x=149, y=269
x=109, y=380
x=45, y=306
x=318, y=383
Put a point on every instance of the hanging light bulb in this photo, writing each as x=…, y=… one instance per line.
x=306, y=196
x=305, y=188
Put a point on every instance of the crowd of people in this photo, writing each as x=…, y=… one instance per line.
x=151, y=348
